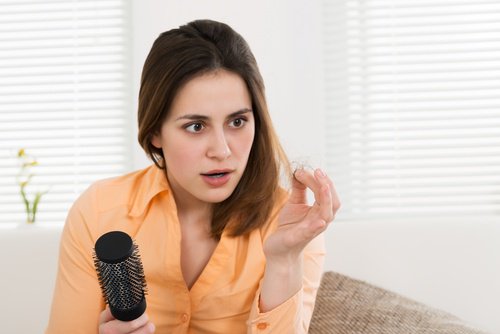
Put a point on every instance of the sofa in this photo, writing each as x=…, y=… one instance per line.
x=348, y=306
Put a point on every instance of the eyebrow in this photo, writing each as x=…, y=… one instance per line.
x=203, y=117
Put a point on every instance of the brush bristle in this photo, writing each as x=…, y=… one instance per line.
x=123, y=284
x=121, y=275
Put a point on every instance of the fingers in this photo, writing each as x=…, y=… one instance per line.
x=324, y=191
x=313, y=180
x=105, y=316
x=335, y=197
x=324, y=200
x=298, y=194
x=109, y=325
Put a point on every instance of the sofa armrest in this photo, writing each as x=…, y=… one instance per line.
x=348, y=306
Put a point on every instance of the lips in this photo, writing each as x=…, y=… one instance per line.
x=217, y=178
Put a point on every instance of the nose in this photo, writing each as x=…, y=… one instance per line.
x=218, y=147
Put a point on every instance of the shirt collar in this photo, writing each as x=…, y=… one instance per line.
x=149, y=185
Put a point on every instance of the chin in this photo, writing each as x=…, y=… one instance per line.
x=217, y=199
x=218, y=196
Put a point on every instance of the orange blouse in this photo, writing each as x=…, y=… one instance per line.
x=224, y=299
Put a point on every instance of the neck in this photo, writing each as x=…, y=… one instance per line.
x=191, y=210
x=194, y=217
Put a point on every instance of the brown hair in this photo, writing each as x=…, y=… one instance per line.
x=194, y=49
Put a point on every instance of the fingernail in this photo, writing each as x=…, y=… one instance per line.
x=321, y=173
x=297, y=172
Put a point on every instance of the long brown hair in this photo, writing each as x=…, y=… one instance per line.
x=194, y=49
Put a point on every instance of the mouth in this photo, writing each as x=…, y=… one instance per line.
x=217, y=173
x=217, y=178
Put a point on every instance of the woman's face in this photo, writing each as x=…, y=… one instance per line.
x=207, y=138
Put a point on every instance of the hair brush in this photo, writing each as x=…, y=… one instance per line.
x=121, y=275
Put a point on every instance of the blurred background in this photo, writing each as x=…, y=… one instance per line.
x=398, y=99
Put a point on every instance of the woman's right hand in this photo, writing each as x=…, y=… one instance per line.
x=109, y=325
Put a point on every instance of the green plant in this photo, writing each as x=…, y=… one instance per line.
x=24, y=178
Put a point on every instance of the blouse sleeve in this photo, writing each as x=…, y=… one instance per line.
x=294, y=315
x=77, y=300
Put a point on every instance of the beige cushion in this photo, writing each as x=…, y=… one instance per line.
x=348, y=306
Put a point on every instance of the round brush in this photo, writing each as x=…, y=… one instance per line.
x=121, y=275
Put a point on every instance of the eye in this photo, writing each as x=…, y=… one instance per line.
x=194, y=127
x=237, y=122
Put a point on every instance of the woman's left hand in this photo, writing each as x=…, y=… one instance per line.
x=299, y=222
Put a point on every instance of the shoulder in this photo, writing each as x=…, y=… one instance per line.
x=127, y=195
x=109, y=203
x=107, y=194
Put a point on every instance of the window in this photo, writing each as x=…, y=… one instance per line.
x=64, y=98
x=413, y=103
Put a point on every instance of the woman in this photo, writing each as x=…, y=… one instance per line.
x=225, y=249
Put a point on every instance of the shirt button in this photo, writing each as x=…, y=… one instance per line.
x=262, y=325
x=184, y=317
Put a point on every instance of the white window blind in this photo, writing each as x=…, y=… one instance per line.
x=413, y=99
x=64, y=97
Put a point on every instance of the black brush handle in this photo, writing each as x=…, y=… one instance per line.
x=121, y=275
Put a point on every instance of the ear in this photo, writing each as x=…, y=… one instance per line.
x=156, y=140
